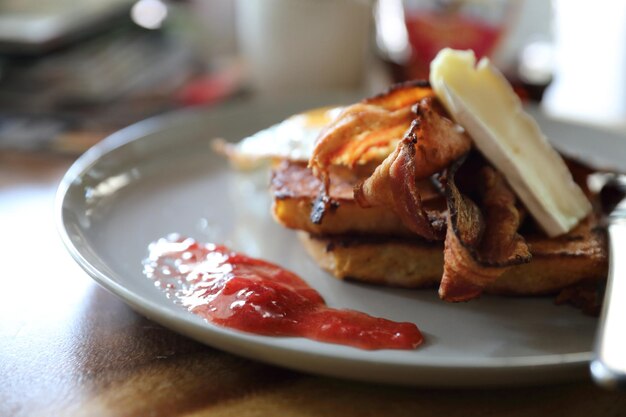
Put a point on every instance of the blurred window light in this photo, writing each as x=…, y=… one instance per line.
x=391, y=34
x=590, y=63
x=149, y=14
x=537, y=62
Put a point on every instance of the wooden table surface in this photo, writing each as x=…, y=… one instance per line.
x=70, y=348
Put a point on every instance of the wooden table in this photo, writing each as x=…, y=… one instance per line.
x=69, y=348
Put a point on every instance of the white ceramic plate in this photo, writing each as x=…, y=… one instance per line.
x=160, y=176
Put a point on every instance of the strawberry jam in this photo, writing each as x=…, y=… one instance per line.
x=233, y=290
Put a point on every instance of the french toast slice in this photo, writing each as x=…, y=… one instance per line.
x=372, y=245
x=294, y=188
x=414, y=263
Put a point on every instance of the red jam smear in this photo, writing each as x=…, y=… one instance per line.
x=233, y=290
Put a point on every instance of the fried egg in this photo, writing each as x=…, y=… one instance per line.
x=292, y=139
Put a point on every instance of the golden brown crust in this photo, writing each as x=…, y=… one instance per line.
x=294, y=189
x=393, y=262
x=417, y=264
x=346, y=218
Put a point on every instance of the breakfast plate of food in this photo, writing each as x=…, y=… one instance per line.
x=419, y=236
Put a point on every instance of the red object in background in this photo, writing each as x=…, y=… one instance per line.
x=209, y=88
x=234, y=290
x=429, y=32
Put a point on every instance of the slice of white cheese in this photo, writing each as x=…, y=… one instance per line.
x=482, y=101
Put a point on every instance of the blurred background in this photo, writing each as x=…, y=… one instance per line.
x=73, y=72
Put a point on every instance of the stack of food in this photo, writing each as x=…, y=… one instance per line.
x=443, y=182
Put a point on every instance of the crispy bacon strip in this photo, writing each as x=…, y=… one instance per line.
x=364, y=132
x=432, y=142
x=480, y=244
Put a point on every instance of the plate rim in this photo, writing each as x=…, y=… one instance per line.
x=192, y=328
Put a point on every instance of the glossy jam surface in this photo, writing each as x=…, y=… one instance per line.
x=236, y=291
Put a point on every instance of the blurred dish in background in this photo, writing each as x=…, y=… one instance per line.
x=35, y=26
x=67, y=99
x=589, y=63
x=96, y=86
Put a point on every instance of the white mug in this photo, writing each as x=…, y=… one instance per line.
x=297, y=46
